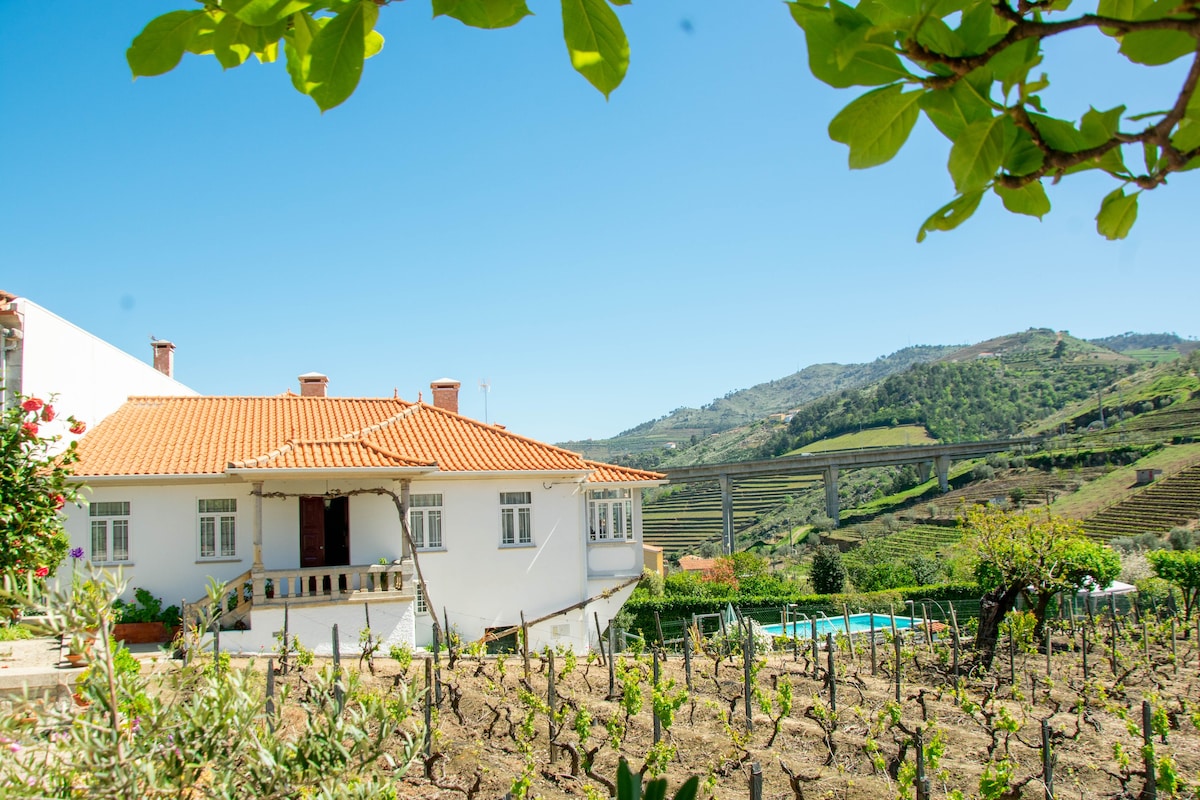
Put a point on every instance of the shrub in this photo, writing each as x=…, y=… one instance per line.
x=828, y=573
x=146, y=608
x=1181, y=539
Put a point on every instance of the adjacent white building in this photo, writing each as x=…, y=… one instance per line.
x=296, y=501
x=43, y=355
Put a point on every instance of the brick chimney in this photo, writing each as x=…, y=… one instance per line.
x=164, y=357
x=445, y=394
x=312, y=384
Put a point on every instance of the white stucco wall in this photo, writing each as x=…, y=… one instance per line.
x=312, y=625
x=91, y=377
x=474, y=580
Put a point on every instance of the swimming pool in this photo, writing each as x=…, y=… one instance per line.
x=859, y=623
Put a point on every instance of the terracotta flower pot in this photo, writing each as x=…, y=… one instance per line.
x=77, y=659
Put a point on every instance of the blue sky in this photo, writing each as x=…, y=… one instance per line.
x=477, y=210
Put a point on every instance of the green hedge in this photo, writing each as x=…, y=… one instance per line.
x=676, y=609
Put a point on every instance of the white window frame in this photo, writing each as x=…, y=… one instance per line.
x=110, y=520
x=221, y=514
x=427, y=517
x=419, y=604
x=610, y=515
x=516, y=519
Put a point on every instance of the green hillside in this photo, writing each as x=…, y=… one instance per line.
x=685, y=427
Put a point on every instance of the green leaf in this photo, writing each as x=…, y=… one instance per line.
x=629, y=784
x=487, y=14
x=1012, y=64
x=596, y=43
x=876, y=125
x=981, y=28
x=1058, y=134
x=689, y=790
x=200, y=41
x=1097, y=127
x=951, y=215
x=872, y=63
x=296, y=44
x=1021, y=155
x=1030, y=199
x=160, y=45
x=264, y=12
x=373, y=44
x=1154, y=48
x=234, y=41
x=977, y=153
x=952, y=110
x=337, y=52
x=937, y=36
x=1118, y=212
x=1123, y=9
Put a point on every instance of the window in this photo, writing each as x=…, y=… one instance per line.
x=516, y=518
x=425, y=521
x=110, y=531
x=610, y=515
x=420, y=601
x=218, y=528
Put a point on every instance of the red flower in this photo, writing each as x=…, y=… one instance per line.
x=48, y=413
x=41, y=572
x=32, y=404
x=78, y=427
x=31, y=428
x=59, y=501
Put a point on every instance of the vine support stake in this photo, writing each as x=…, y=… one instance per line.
x=339, y=693
x=1150, y=791
x=1047, y=761
x=662, y=644
x=928, y=626
x=747, y=662
x=428, y=717
x=687, y=657
x=756, y=781
x=270, y=707
x=653, y=708
x=815, y=660
x=524, y=645
x=922, y=781
x=612, y=658
x=831, y=672
x=871, y=633
x=1012, y=658
x=283, y=660
x=896, y=644
x=599, y=636
x=1174, y=649
x=437, y=666
x=1084, y=650
x=552, y=702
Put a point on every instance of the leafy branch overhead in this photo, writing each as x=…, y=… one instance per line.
x=968, y=65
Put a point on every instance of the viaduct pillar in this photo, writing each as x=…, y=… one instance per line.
x=726, y=513
x=923, y=470
x=942, y=465
x=831, y=493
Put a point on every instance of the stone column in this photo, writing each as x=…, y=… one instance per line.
x=726, y=513
x=831, y=493
x=942, y=465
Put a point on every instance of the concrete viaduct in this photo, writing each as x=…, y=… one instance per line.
x=828, y=465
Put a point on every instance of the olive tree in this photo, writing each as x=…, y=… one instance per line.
x=1031, y=555
x=970, y=66
x=1180, y=568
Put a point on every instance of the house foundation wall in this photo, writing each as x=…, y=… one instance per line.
x=312, y=625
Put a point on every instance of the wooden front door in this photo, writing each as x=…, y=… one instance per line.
x=312, y=531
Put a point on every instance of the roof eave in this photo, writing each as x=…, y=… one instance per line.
x=268, y=473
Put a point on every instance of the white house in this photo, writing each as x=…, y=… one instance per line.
x=296, y=501
x=41, y=354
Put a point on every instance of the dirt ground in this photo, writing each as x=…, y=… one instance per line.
x=863, y=750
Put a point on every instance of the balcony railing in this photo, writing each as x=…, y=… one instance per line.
x=331, y=584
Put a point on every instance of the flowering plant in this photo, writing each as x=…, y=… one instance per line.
x=34, y=475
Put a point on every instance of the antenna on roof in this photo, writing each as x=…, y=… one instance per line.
x=485, y=387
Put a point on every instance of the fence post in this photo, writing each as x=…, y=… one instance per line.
x=1047, y=761
x=756, y=781
x=1150, y=791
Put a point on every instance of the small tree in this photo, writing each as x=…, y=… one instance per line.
x=33, y=489
x=1181, y=568
x=1031, y=555
x=828, y=572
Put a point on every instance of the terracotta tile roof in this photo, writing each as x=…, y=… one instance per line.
x=208, y=435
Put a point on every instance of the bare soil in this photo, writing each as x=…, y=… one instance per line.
x=1094, y=725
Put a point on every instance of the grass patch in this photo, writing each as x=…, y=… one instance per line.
x=1118, y=484
x=897, y=436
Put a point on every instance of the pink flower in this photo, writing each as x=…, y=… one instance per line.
x=47, y=413
x=78, y=427
x=30, y=427
x=41, y=572
x=59, y=501
x=32, y=404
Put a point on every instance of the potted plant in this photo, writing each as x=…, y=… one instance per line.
x=145, y=620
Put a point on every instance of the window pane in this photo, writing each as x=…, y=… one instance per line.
x=592, y=521
x=603, y=522
x=99, y=540
x=618, y=528
x=507, y=532
x=526, y=525
x=435, y=528
x=228, y=538
x=417, y=524
x=227, y=506
x=120, y=540
x=109, y=509
x=628, y=519
x=515, y=498
x=208, y=531
x=424, y=500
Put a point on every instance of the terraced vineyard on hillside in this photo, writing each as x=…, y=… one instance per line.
x=1161, y=506
x=691, y=516
x=920, y=540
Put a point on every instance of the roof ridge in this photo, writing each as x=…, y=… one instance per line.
x=500, y=430
x=271, y=455
x=396, y=456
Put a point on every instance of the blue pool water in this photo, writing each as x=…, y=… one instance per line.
x=859, y=623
